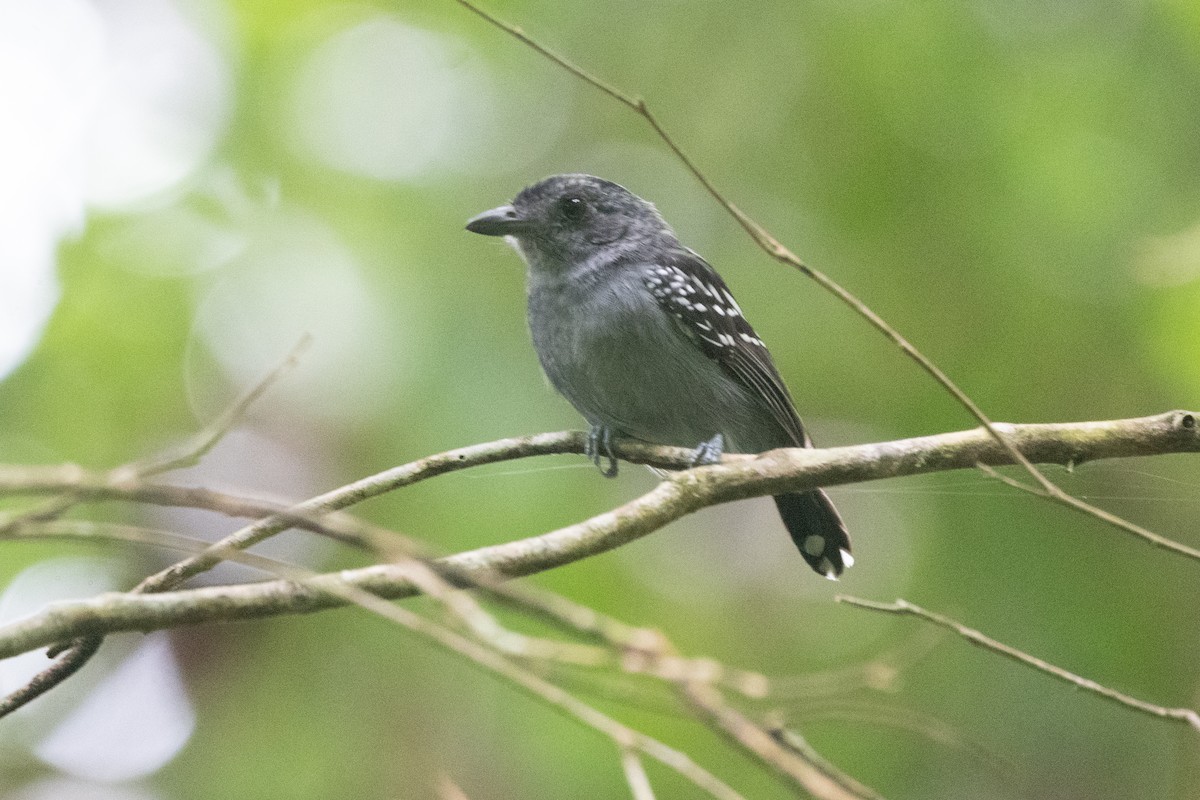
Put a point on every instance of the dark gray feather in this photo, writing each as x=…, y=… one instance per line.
x=692, y=292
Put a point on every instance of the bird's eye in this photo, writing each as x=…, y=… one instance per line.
x=572, y=208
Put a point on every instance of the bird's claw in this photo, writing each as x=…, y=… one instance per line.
x=709, y=452
x=599, y=447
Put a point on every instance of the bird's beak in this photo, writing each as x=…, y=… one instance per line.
x=502, y=221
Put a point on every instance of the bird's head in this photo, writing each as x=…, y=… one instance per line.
x=568, y=219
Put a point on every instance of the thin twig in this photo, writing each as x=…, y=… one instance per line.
x=205, y=440
x=644, y=651
x=69, y=661
x=50, y=509
x=880, y=674
x=447, y=789
x=1156, y=539
x=812, y=774
x=793, y=741
x=635, y=774
x=902, y=719
x=622, y=735
x=903, y=607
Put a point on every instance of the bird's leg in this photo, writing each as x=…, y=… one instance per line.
x=591, y=449
x=599, y=446
x=709, y=452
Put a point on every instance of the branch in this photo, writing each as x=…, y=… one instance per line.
x=903, y=607
x=69, y=661
x=364, y=489
x=737, y=477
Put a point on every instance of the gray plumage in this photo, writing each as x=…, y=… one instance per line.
x=644, y=338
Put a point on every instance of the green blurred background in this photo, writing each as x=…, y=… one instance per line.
x=189, y=186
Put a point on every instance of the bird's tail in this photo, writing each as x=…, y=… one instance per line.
x=818, y=531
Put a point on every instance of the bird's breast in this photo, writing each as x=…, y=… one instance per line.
x=623, y=362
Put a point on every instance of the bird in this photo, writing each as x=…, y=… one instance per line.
x=643, y=337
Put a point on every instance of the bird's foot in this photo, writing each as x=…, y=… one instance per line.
x=599, y=447
x=709, y=452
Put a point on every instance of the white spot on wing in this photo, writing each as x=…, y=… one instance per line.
x=749, y=339
x=826, y=569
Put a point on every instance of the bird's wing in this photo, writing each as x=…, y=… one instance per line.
x=692, y=292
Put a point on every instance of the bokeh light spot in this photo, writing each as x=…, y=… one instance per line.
x=389, y=101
